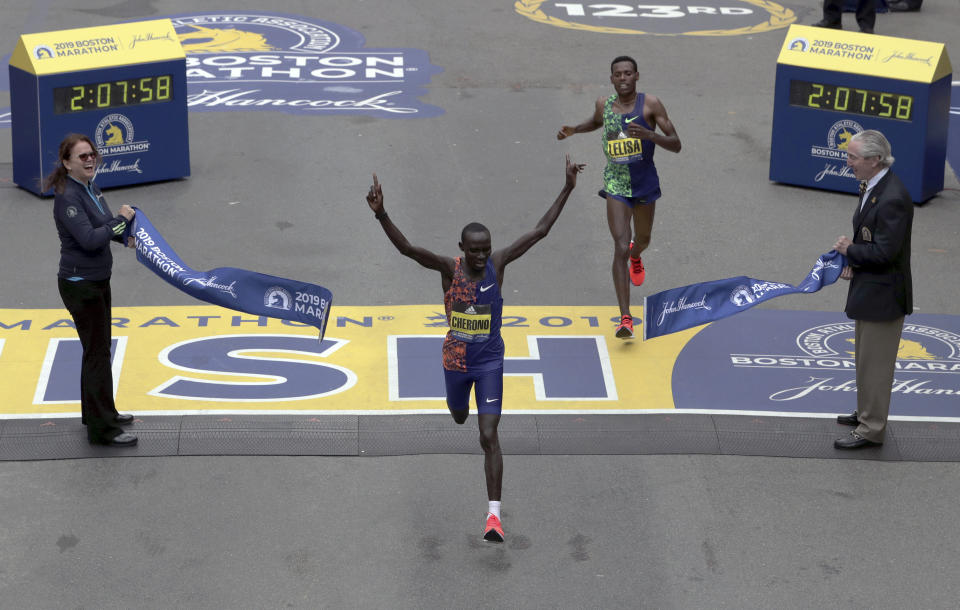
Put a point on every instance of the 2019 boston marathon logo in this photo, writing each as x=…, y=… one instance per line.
x=701, y=18
x=255, y=60
x=835, y=152
x=802, y=361
x=115, y=137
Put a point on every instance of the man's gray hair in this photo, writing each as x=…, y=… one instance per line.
x=874, y=144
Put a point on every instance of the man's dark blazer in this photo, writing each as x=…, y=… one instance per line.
x=882, y=287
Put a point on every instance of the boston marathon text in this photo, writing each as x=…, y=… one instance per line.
x=147, y=247
x=86, y=47
x=842, y=49
x=296, y=68
x=835, y=363
x=310, y=304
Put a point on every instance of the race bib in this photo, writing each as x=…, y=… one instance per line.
x=470, y=323
x=621, y=148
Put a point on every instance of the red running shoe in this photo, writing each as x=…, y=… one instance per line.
x=494, y=530
x=637, y=273
x=625, y=328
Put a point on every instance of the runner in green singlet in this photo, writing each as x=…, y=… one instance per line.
x=630, y=183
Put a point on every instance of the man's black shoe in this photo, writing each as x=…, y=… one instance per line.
x=853, y=441
x=124, y=439
x=848, y=420
x=823, y=23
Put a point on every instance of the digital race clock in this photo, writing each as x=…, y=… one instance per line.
x=122, y=85
x=113, y=94
x=851, y=99
x=833, y=84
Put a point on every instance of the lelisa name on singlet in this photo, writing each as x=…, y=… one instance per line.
x=621, y=148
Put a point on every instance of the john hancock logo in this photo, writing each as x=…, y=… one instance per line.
x=254, y=60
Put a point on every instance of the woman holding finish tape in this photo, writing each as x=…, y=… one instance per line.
x=86, y=226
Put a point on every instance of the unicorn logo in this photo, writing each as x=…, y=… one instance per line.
x=844, y=137
x=277, y=297
x=924, y=343
x=218, y=40
x=114, y=130
x=907, y=350
x=840, y=133
x=114, y=135
x=42, y=51
x=741, y=296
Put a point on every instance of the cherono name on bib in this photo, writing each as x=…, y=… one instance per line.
x=470, y=323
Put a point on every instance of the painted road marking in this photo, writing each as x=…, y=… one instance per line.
x=386, y=360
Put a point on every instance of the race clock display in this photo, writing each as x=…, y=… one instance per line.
x=122, y=85
x=824, y=96
x=833, y=84
x=113, y=94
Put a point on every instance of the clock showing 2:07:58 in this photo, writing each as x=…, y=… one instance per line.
x=853, y=100
x=112, y=94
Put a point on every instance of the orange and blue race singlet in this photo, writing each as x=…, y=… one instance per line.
x=474, y=309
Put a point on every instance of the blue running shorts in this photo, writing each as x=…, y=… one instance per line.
x=487, y=387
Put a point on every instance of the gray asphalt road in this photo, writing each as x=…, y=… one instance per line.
x=648, y=532
x=584, y=532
